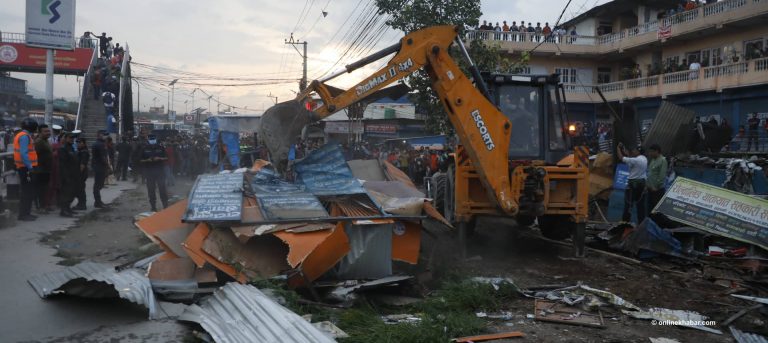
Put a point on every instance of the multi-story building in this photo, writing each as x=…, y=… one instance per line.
x=711, y=59
x=13, y=99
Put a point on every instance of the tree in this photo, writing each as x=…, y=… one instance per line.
x=413, y=15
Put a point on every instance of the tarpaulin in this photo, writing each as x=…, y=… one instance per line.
x=648, y=238
x=325, y=172
x=230, y=140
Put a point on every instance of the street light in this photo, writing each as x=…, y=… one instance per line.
x=173, y=89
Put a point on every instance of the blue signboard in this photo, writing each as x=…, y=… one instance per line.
x=217, y=197
x=280, y=199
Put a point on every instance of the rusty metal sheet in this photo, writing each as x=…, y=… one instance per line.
x=358, y=205
x=671, y=128
x=174, y=269
x=174, y=237
x=194, y=248
x=259, y=258
x=395, y=174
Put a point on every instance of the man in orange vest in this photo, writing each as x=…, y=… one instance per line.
x=25, y=159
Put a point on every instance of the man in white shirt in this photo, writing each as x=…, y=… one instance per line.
x=638, y=165
x=694, y=68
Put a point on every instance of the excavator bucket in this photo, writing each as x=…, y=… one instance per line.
x=280, y=127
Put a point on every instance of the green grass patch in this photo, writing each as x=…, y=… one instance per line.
x=448, y=313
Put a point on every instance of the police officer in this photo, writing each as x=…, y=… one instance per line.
x=69, y=174
x=25, y=159
x=100, y=165
x=153, y=159
x=83, y=157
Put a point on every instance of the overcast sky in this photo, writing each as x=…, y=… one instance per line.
x=238, y=38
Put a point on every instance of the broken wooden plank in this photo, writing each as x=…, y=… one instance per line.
x=550, y=311
x=489, y=337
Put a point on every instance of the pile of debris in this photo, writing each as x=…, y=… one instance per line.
x=337, y=222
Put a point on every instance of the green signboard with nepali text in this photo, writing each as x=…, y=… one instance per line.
x=717, y=210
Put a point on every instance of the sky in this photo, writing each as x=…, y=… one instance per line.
x=241, y=39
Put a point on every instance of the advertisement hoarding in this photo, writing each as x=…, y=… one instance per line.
x=50, y=24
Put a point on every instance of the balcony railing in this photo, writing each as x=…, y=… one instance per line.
x=16, y=37
x=529, y=37
x=694, y=15
x=734, y=75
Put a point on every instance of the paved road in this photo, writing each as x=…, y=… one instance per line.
x=25, y=316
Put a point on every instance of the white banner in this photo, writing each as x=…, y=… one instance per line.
x=51, y=24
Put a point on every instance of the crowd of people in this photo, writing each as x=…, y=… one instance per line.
x=53, y=165
x=523, y=33
x=105, y=77
x=416, y=163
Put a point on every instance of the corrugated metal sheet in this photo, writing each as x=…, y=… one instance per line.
x=242, y=313
x=370, y=255
x=671, y=129
x=129, y=284
x=744, y=337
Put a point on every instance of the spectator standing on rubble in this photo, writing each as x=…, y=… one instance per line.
x=153, y=158
x=657, y=175
x=752, y=125
x=633, y=195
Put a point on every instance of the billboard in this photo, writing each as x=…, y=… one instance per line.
x=22, y=58
x=51, y=24
x=717, y=210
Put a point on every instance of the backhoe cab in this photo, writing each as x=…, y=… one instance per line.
x=551, y=179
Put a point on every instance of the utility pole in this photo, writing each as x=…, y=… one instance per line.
x=49, y=86
x=274, y=97
x=193, y=97
x=173, y=90
x=294, y=43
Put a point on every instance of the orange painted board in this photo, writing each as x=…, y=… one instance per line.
x=430, y=211
x=314, y=253
x=194, y=247
x=167, y=219
x=489, y=337
x=406, y=242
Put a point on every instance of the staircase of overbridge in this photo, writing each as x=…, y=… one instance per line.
x=91, y=116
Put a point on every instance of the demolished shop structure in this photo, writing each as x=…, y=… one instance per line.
x=329, y=222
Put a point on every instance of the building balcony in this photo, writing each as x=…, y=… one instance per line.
x=717, y=78
x=707, y=17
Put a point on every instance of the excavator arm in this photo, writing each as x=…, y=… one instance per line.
x=482, y=129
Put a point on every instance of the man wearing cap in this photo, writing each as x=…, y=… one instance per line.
x=638, y=165
x=153, y=159
x=69, y=174
x=57, y=134
x=99, y=164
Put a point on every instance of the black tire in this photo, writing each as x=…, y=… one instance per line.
x=525, y=220
x=557, y=227
x=438, y=184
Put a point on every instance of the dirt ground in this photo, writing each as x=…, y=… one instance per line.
x=498, y=249
x=108, y=235
x=501, y=249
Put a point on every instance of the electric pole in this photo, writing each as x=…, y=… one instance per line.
x=274, y=97
x=294, y=43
